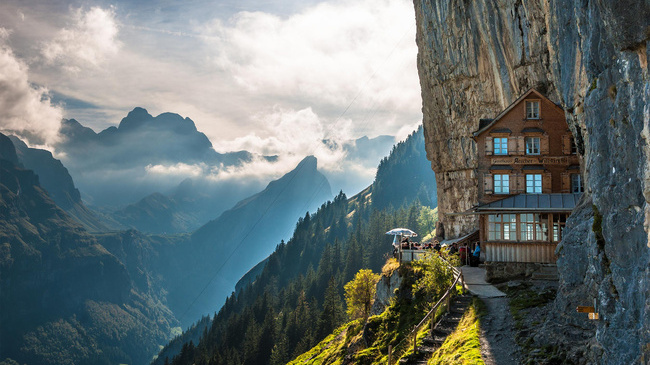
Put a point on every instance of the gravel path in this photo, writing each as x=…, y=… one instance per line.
x=497, y=339
x=498, y=346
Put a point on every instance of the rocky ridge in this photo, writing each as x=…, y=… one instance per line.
x=591, y=58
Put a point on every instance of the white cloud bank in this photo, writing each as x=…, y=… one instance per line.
x=293, y=134
x=26, y=109
x=334, y=53
x=89, y=41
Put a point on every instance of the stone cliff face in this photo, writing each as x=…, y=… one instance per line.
x=475, y=58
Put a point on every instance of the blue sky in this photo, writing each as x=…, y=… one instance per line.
x=272, y=77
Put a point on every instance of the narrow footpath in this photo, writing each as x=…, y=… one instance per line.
x=498, y=346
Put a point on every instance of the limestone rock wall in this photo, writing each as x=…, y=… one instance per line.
x=385, y=291
x=475, y=58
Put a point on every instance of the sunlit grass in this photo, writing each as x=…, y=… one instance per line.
x=462, y=346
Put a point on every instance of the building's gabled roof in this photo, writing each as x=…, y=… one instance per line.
x=533, y=202
x=483, y=124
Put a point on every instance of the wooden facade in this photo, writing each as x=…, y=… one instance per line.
x=527, y=150
x=507, y=147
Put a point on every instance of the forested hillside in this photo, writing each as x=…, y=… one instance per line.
x=404, y=174
x=65, y=297
x=297, y=300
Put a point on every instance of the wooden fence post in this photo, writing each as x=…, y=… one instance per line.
x=415, y=341
x=462, y=282
x=433, y=323
x=447, y=302
x=390, y=352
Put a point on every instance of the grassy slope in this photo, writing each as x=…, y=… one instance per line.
x=462, y=346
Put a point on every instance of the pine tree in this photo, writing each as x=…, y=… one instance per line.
x=332, y=314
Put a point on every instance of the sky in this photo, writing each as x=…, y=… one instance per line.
x=270, y=77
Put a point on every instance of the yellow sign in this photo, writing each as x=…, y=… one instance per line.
x=583, y=309
x=593, y=315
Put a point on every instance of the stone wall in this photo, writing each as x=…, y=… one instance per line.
x=496, y=272
x=475, y=58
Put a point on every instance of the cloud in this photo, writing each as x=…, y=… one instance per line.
x=406, y=130
x=335, y=54
x=26, y=109
x=179, y=169
x=293, y=134
x=88, y=42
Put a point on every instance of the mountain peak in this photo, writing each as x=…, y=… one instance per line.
x=7, y=149
x=135, y=118
x=310, y=162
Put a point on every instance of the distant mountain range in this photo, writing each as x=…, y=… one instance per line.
x=135, y=175
x=118, y=166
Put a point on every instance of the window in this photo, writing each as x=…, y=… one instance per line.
x=501, y=146
x=502, y=184
x=510, y=227
x=559, y=221
x=532, y=145
x=574, y=147
x=533, y=227
x=576, y=184
x=532, y=110
x=534, y=183
x=494, y=227
x=502, y=227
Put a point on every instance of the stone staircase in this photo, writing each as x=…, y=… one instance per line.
x=443, y=328
x=546, y=272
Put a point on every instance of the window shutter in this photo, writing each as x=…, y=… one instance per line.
x=488, y=184
x=521, y=183
x=512, y=146
x=547, y=183
x=566, y=144
x=521, y=145
x=566, y=182
x=489, y=145
x=512, y=183
x=543, y=145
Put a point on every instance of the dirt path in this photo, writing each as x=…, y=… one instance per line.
x=498, y=331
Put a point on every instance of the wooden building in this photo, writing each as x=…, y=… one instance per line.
x=529, y=172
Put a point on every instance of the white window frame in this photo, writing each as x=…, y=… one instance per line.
x=495, y=224
x=502, y=227
x=533, y=145
x=532, y=109
x=533, y=183
x=501, y=183
x=533, y=227
x=500, y=146
x=577, y=184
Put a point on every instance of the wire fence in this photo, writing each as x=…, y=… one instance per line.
x=397, y=351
